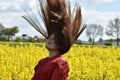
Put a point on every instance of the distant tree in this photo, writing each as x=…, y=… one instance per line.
x=3, y=38
x=18, y=39
x=1, y=28
x=10, y=31
x=31, y=39
x=90, y=39
x=93, y=31
x=111, y=40
x=100, y=40
x=113, y=29
x=14, y=30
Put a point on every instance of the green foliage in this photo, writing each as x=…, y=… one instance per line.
x=111, y=40
x=3, y=38
x=31, y=39
x=108, y=44
x=14, y=30
x=100, y=40
x=90, y=39
x=42, y=40
x=1, y=27
x=10, y=31
x=18, y=39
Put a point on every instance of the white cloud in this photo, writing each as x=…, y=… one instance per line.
x=93, y=16
x=32, y=3
x=11, y=12
x=4, y=5
x=103, y=1
x=13, y=5
x=93, y=1
x=11, y=19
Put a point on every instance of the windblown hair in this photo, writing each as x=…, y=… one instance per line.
x=58, y=17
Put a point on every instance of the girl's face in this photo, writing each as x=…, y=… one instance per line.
x=50, y=44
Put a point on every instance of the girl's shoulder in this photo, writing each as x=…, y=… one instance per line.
x=61, y=62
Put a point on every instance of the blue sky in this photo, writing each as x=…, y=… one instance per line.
x=103, y=6
x=94, y=11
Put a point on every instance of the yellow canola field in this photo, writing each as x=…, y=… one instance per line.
x=86, y=62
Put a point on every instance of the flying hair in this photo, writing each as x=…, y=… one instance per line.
x=57, y=16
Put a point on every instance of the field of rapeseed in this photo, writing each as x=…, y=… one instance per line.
x=17, y=62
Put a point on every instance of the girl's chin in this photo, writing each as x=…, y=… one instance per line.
x=47, y=47
x=50, y=48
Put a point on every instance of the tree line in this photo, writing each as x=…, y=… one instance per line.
x=8, y=31
x=93, y=31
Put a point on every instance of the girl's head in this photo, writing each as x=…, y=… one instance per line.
x=62, y=25
x=59, y=41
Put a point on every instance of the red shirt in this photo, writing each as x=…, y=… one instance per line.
x=55, y=68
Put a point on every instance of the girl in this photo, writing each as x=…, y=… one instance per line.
x=61, y=30
x=54, y=67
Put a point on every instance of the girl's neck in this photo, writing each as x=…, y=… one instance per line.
x=53, y=53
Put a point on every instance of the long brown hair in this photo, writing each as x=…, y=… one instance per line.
x=58, y=17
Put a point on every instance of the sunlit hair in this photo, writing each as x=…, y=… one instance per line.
x=58, y=18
